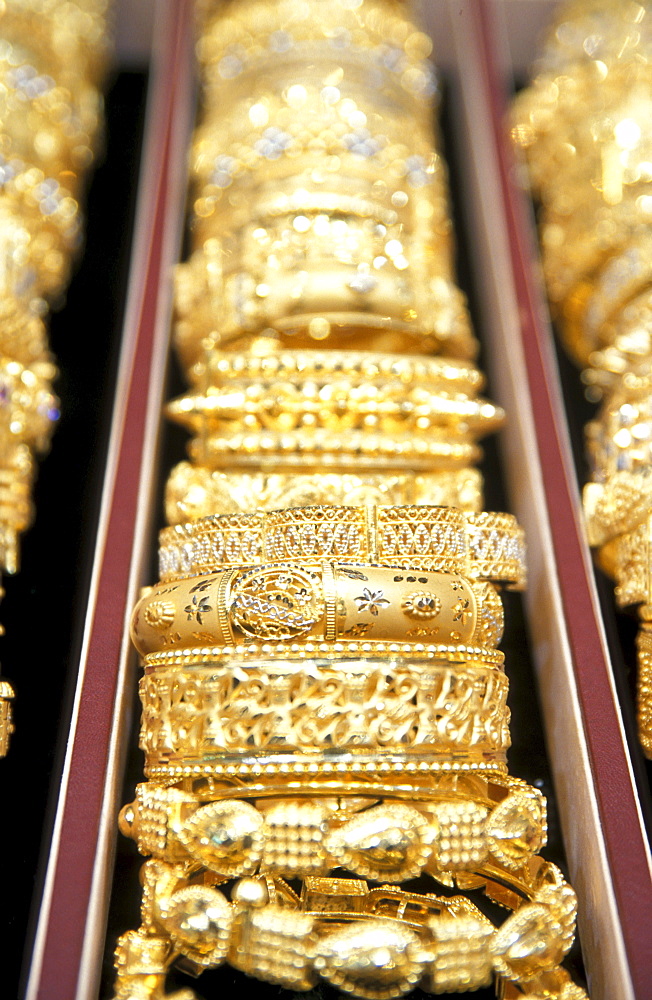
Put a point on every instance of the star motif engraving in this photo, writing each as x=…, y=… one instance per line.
x=199, y=607
x=371, y=601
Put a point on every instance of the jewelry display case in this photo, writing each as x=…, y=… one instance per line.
x=589, y=767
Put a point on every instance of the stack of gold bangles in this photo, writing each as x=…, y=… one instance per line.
x=324, y=705
x=52, y=59
x=585, y=126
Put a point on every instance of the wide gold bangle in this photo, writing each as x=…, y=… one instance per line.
x=480, y=546
x=338, y=391
x=316, y=600
x=318, y=712
x=210, y=304
x=194, y=492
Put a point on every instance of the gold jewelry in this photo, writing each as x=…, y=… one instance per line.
x=340, y=391
x=356, y=704
x=211, y=302
x=447, y=942
x=480, y=546
x=313, y=599
x=297, y=716
x=194, y=492
x=6, y=723
x=446, y=832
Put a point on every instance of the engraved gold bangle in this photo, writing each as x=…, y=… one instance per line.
x=480, y=546
x=316, y=600
x=284, y=707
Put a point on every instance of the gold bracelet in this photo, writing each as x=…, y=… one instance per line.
x=315, y=600
x=211, y=301
x=6, y=723
x=619, y=438
x=69, y=41
x=447, y=832
x=618, y=505
x=445, y=942
x=284, y=707
x=313, y=391
x=43, y=217
x=240, y=41
x=484, y=546
x=194, y=492
x=23, y=336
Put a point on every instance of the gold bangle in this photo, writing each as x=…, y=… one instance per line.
x=70, y=41
x=328, y=709
x=239, y=43
x=282, y=601
x=28, y=408
x=310, y=392
x=23, y=336
x=194, y=492
x=37, y=109
x=483, y=546
x=290, y=941
x=44, y=217
x=618, y=505
x=453, y=830
x=629, y=559
x=619, y=438
x=6, y=723
x=210, y=304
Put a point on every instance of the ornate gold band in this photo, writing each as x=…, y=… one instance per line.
x=451, y=830
x=479, y=546
x=317, y=600
x=195, y=492
x=333, y=397
x=298, y=315
x=336, y=926
x=241, y=707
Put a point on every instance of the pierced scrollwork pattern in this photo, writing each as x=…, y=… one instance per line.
x=276, y=706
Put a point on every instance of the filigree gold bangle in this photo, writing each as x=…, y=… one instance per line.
x=316, y=600
x=194, y=492
x=480, y=546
